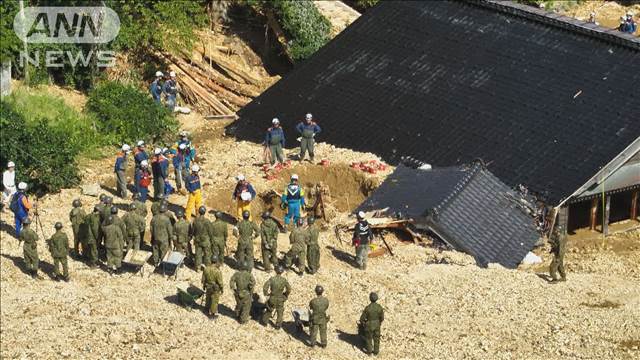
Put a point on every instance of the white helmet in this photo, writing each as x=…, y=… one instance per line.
x=240, y=177
x=22, y=186
x=144, y=163
x=140, y=143
x=182, y=146
x=360, y=214
x=11, y=164
x=126, y=148
x=165, y=150
x=275, y=121
x=159, y=74
x=157, y=151
x=184, y=133
x=195, y=168
x=308, y=117
x=294, y=177
x=172, y=74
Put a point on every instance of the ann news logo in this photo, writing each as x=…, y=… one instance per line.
x=67, y=25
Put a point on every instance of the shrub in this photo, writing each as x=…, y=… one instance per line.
x=306, y=28
x=36, y=104
x=129, y=114
x=44, y=157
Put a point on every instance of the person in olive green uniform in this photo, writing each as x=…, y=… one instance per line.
x=277, y=289
x=247, y=231
x=161, y=233
x=213, y=285
x=202, y=238
x=313, y=247
x=371, y=321
x=105, y=211
x=30, y=248
x=91, y=233
x=242, y=283
x=318, y=317
x=141, y=209
x=135, y=225
x=181, y=234
x=219, y=234
x=120, y=224
x=269, y=241
x=113, y=241
x=59, y=248
x=558, y=247
x=76, y=216
x=298, y=252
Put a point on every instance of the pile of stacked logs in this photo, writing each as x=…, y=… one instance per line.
x=210, y=81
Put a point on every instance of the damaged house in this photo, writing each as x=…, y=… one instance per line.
x=549, y=103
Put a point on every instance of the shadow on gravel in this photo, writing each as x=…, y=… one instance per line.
x=343, y=256
x=290, y=328
x=352, y=339
x=43, y=267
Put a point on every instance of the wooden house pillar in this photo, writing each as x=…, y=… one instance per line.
x=593, y=220
x=634, y=204
x=607, y=211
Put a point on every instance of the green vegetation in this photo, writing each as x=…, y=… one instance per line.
x=128, y=114
x=35, y=104
x=303, y=24
x=40, y=150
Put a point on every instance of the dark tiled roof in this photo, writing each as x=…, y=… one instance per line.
x=486, y=219
x=544, y=101
x=411, y=192
x=468, y=207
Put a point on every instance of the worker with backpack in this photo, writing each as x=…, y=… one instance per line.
x=20, y=206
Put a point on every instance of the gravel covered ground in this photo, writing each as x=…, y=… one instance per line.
x=450, y=310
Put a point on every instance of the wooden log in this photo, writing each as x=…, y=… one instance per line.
x=202, y=93
x=221, y=117
x=238, y=88
x=201, y=78
x=227, y=65
x=273, y=24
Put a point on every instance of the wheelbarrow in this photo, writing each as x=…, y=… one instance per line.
x=136, y=259
x=188, y=295
x=171, y=262
x=300, y=319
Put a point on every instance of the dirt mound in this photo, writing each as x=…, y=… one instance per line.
x=343, y=189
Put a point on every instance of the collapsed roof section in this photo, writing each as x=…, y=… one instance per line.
x=467, y=207
x=546, y=101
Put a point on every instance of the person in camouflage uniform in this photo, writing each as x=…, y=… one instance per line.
x=242, y=283
x=134, y=223
x=141, y=209
x=92, y=230
x=218, y=235
x=76, y=216
x=269, y=241
x=29, y=238
x=313, y=247
x=120, y=224
x=318, y=317
x=104, y=210
x=113, y=241
x=201, y=238
x=181, y=231
x=298, y=252
x=161, y=233
x=558, y=247
x=213, y=286
x=247, y=231
x=371, y=321
x=277, y=289
x=59, y=248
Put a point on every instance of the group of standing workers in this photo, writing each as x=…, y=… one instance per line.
x=167, y=86
x=275, y=140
